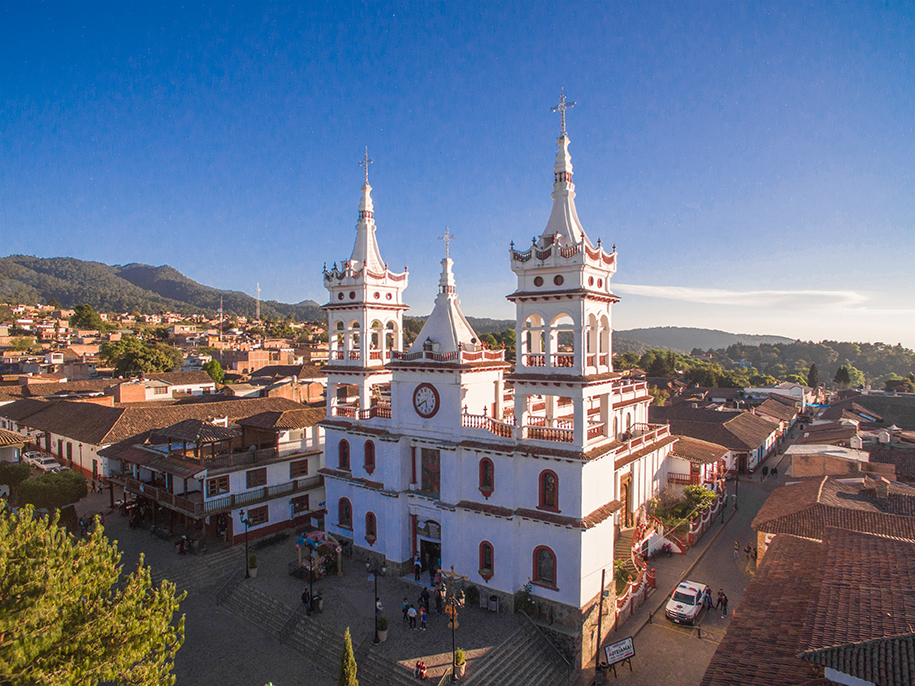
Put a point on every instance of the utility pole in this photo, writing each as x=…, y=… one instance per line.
x=600, y=616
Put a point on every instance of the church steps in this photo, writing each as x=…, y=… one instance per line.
x=199, y=572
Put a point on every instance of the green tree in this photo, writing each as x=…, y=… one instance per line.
x=13, y=474
x=627, y=360
x=68, y=617
x=813, y=376
x=842, y=377
x=21, y=343
x=489, y=340
x=53, y=490
x=214, y=369
x=347, y=663
x=658, y=395
x=84, y=317
x=130, y=356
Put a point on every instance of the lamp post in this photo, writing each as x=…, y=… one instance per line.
x=246, y=522
x=374, y=573
x=453, y=600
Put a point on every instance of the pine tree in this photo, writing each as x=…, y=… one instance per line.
x=347, y=663
x=813, y=376
x=68, y=617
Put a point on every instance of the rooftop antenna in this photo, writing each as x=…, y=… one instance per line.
x=220, y=318
x=257, y=309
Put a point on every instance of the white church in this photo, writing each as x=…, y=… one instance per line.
x=512, y=473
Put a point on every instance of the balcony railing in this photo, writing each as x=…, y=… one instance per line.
x=681, y=479
x=382, y=410
x=482, y=421
x=544, y=433
x=221, y=503
x=465, y=355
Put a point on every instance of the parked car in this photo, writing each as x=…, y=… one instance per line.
x=47, y=463
x=686, y=602
x=32, y=457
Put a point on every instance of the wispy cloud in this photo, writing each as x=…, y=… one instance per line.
x=716, y=296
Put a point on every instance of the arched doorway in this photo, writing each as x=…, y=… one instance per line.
x=626, y=499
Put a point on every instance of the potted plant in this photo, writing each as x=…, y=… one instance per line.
x=460, y=662
x=252, y=565
x=381, y=623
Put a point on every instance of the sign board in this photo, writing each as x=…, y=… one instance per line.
x=619, y=651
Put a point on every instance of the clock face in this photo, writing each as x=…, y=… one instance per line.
x=425, y=400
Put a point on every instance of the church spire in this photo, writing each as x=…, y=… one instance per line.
x=446, y=330
x=563, y=225
x=365, y=251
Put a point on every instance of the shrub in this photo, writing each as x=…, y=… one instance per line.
x=252, y=560
x=459, y=656
x=381, y=623
x=524, y=601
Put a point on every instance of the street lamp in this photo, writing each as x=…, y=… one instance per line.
x=453, y=600
x=246, y=522
x=374, y=572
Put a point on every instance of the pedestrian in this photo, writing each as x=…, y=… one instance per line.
x=720, y=598
x=379, y=608
x=708, y=600
x=306, y=601
x=424, y=598
x=765, y=472
x=405, y=607
x=749, y=551
x=438, y=601
x=423, y=617
x=736, y=549
x=438, y=577
x=417, y=567
x=775, y=472
x=724, y=604
x=755, y=554
x=411, y=613
x=432, y=576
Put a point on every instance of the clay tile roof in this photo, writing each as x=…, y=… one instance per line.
x=288, y=419
x=197, y=431
x=696, y=450
x=778, y=410
x=299, y=371
x=20, y=409
x=8, y=438
x=763, y=640
x=181, y=378
x=867, y=592
x=49, y=389
x=807, y=508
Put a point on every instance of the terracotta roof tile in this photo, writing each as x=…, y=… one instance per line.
x=695, y=450
x=8, y=438
x=288, y=419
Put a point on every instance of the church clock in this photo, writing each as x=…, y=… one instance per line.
x=425, y=400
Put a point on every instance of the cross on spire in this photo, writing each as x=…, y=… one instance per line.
x=366, y=161
x=561, y=108
x=447, y=238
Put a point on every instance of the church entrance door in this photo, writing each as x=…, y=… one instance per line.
x=430, y=552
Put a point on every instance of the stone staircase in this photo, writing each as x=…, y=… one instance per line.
x=198, y=572
x=290, y=626
x=525, y=657
x=622, y=550
x=375, y=669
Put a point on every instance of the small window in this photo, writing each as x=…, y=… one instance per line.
x=371, y=527
x=300, y=504
x=343, y=455
x=217, y=486
x=369, y=456
x=544, y=567
x=344, y=514
x=298, y=468
x=256, y=477
x=160, y=390
x=487, y=477
x=486, y=560
x=549, y=491
x=258, y=516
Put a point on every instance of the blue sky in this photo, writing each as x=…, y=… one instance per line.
x=752, y=162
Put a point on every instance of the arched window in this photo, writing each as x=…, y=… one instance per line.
x=544, y=567
x=371, y=527
x=486, y=560
x=628, y=421
x=345, y=514
x=549, y=491
x=343, y=455
x=487, y=477
x=369, y=456
x=616, y=427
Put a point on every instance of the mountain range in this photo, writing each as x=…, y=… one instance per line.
x=147, y=290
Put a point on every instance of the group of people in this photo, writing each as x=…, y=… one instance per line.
x=766, y=471
x=722, y=602
x=419, y=671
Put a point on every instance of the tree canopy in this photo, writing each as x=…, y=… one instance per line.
x=214, y=369
x=813, y=376
x=68, y=617
x=85, y=317
x=52, y=490
x=347, y=663
x=12, y=474
x=130, y=355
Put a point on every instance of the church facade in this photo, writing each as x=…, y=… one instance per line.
x=516, y=473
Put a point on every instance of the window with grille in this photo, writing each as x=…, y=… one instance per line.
x=300, y=504
x=298, y=468
x=256, y=477
x=217, y=485
x=258, y=515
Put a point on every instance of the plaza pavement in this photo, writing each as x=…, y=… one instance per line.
x=224, y=649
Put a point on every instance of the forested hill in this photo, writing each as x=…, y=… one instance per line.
x=686, y=339
x=129, y=288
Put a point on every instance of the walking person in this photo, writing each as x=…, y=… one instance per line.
x=417, y=567
x=405, y=607
x=411, y=613
x=736, y=550
x=724, y=604
x=423, y=617
x=720, y=598
x=438, y=601
x=749, y=551
x=765, y=472
x=424, y=598
x=775, y=472
x=379, y=608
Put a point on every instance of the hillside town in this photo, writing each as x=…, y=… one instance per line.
x=558, y=499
